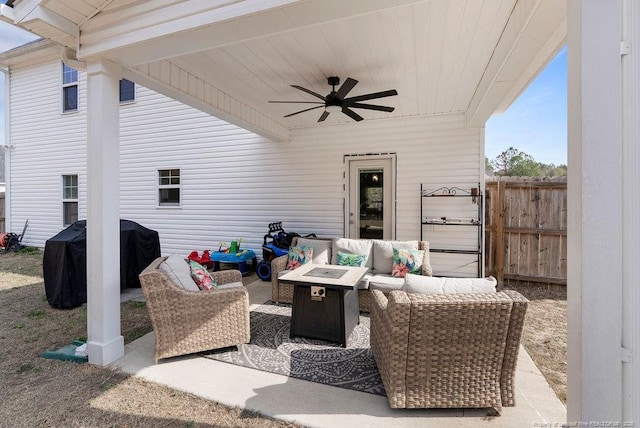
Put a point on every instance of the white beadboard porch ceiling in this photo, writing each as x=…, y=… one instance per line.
x=433, y=53
x=442, y=56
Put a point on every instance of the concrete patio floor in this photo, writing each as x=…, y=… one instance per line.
x=316, y=405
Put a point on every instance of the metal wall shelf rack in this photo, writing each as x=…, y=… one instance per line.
x=475, y=196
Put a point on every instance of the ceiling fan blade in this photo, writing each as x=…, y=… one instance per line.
x=302, y=111
x=309, y=91
x=372, y=107
x=323, y=116
x=352, y=114
x=345, y=88
x=296, y=102
x=365, y=97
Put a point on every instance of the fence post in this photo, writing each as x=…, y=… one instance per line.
x=500, y=248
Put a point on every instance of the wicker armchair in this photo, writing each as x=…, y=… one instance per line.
x=188, y=321
x=447, y=350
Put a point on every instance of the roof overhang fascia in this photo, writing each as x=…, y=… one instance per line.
x=6, y=14
x=511, y=67
x=32, y=15
x=31, y=53
x=152, y=37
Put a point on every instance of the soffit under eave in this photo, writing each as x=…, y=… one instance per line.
x=534, y=27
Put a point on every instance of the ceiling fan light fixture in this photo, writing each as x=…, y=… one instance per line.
x=338, y=101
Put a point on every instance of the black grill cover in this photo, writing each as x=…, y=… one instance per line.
x=65, y=261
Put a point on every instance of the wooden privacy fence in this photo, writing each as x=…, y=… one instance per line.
x=526, y=229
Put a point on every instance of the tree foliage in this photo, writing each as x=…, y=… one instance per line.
x=515, y=163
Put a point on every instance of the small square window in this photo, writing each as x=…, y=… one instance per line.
x=127, y=91
x=69, y=199
x=69, y=88
x=169, y=187
x=70, y=187
x=70, y=213
x=70, y=98
x=69, y=75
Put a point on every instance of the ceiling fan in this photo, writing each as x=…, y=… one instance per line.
x=335, y=101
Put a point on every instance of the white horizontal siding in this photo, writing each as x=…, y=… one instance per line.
x=47, y=144
x=233, y=182
x=434, y=150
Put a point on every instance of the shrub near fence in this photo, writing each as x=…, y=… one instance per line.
x=526, y=229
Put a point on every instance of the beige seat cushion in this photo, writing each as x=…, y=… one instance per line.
x=353, y=246
x=178, y=271
x=230, y=285
x=383, y=253
x=428, y=284
x=321, y=249
x=385, y=283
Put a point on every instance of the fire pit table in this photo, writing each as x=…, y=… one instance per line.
x=325, y=301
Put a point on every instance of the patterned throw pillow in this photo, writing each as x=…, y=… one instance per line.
x=406, y=261
x=348, y=259
x=201, y=276
x=299, y=256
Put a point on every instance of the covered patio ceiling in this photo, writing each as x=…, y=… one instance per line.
x=229, y=58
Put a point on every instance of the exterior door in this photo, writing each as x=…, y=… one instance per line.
x=371, y=197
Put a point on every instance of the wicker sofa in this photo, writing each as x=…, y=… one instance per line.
x=379, y=252
x=186, y=319
x=447, y=350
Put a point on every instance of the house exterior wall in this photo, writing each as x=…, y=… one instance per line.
x=233, y=182
x=46, y=144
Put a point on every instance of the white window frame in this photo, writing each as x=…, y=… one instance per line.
x=68, y=85
x=169, y=186
x=135, y=90
x=66, y=200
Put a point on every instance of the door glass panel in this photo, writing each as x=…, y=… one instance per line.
x=371, y=202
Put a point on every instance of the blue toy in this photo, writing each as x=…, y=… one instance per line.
x=278, y=246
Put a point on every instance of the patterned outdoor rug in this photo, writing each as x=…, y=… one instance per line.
x=272, y=350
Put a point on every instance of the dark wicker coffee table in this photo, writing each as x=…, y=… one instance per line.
x=325, y=301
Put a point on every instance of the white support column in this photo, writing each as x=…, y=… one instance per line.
x=8, y=147
x=106, y=344
x=631, y=219
x=595, y=213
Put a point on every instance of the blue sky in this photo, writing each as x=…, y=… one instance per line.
x=11, y=36
x=536, y=123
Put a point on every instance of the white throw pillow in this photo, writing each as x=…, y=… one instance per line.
x=321, y=249
x=433, y=285
x=178, y=271
x=383, y=253
x=353, y=246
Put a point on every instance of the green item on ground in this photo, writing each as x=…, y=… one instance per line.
x=66, y=353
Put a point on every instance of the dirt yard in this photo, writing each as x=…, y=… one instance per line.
x=38, y=392
x=51, y=393
x=545, y=334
